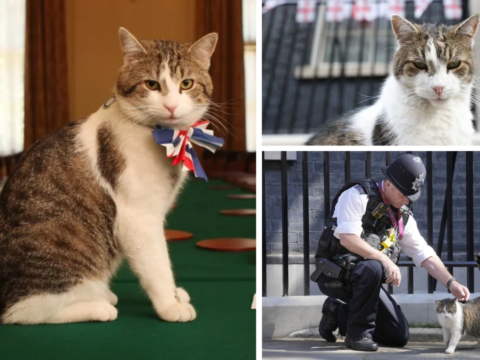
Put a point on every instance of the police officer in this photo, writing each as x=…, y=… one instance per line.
x=367, y=314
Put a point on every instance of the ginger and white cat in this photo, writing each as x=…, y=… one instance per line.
x=98, y=190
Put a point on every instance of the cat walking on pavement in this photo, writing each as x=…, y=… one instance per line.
x=427, y=98
x=458, y=319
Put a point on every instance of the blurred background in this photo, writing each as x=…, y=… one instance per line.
x=59, y=61
x=324, y=58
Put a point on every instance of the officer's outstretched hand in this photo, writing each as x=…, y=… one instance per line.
x=459, y=291
x=393, y=272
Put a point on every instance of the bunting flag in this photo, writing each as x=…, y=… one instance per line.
x=270, y=4
x=366, y=10
x=179, y=147
x=420, y=7
x=338, y=10
x=306, y=11
x=395, y=7
x=363, y=10
x=453, y=9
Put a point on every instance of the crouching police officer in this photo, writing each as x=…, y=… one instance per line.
x=358, y=250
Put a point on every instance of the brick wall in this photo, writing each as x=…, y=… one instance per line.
x=358, y=167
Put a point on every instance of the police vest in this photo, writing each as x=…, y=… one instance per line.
x=370, y=224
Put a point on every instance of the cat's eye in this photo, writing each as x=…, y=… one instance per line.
x=152, y=85
x=420, y=65
x=453, y=65
x=186, y=84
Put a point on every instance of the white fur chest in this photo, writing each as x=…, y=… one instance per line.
x=149, y=182
x=422, y=123
x=149, y=179
x=448, y=126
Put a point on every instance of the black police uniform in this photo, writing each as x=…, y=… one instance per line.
x=365, y=298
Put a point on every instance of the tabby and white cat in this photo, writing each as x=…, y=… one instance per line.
x=98, y=190
x=458, y=319
x=427, y=98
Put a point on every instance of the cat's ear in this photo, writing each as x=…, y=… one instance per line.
x=203, y=49
x=468, y=28
x=130, y=45
x=403, y=28
x=437, y=302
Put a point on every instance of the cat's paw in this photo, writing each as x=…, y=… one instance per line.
x=182, y=296
x=180, y=312
x=102, y=311
x=450, y=350
x=112, y=298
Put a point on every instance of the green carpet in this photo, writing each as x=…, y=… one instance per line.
x=221, y=286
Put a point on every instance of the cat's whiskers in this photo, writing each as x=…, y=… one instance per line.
x=139, y=117
x=368, y=98
x=222, y=129
x=214, y=119
x=220, y=107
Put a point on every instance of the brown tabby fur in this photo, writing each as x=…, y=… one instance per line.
x=179, y=61
x=56, y=221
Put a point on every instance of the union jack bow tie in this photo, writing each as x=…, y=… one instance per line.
x=179, y=147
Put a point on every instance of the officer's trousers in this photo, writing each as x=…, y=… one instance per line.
x=369, y=310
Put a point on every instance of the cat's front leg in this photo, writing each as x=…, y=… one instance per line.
x=145, y=247
x=454, y=339
x=446, y=335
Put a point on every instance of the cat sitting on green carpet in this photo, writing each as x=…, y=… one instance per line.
x=98, y=190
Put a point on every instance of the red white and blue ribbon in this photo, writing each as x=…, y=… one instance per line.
x=179, y=147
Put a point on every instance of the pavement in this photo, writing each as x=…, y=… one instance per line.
x=416, y=335
x=300, y=349
x=425, y=343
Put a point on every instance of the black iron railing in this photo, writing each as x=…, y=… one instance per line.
x=314, y=72
x=446, y=223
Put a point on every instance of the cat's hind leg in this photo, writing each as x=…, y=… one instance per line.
x=84, y=311
x=84, y=302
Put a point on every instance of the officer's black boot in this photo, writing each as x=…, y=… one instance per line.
x=329, y=322
x=361, y=343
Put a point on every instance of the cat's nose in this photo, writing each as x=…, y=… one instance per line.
x=438, y=89
x=171, y=109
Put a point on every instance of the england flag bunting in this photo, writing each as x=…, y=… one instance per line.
x=453, y=9
x=395, y=7
x=270, y=4
x=365, y=10
x=361, y=10
x=338, y=10
x=306, y=11
x=420, y=7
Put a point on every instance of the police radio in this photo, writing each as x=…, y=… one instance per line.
x=380, y=210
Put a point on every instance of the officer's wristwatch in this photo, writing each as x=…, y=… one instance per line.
x=449, y=282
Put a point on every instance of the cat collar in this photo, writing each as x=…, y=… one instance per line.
x=179, y=147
